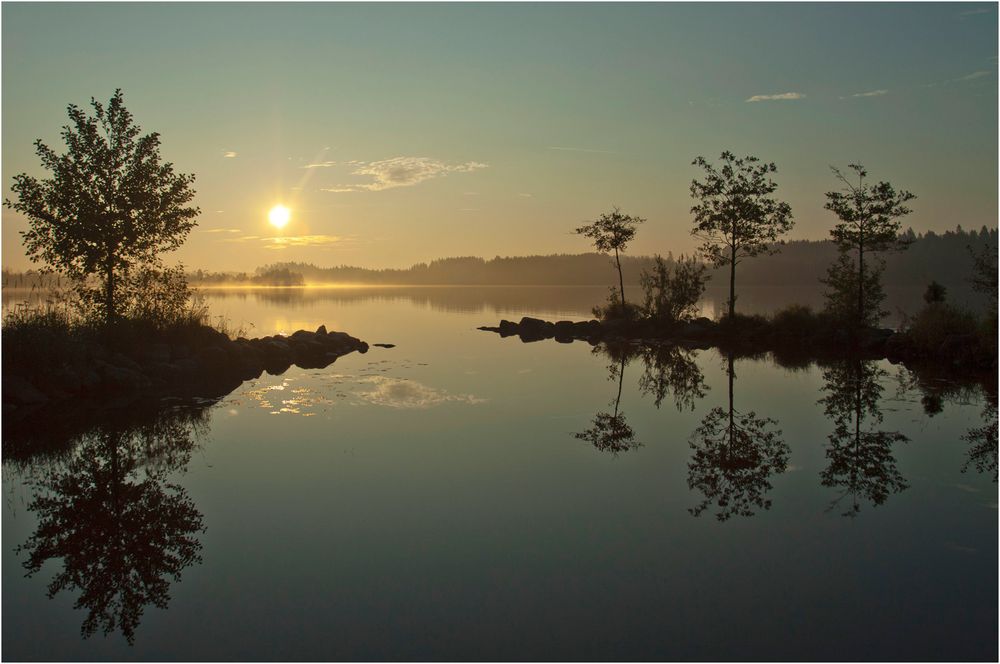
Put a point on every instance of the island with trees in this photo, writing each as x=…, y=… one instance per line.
x=737, y=218
x=102, y=222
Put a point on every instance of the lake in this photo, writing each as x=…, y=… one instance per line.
x=466, y=497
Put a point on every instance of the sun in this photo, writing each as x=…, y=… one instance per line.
x=279, y=216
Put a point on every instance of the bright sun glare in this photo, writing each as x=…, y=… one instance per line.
x=279, y=216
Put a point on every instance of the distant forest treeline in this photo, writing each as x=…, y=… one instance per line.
x=931, y=256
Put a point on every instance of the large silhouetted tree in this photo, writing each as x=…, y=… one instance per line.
x=110, y=205
x=736, y=216
x=869, y=224
x=613, y=231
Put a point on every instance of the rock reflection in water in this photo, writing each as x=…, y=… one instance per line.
x=107, y=509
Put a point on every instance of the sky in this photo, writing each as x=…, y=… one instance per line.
x=401, y=133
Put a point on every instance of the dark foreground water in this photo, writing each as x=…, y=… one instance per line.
x=466, y=497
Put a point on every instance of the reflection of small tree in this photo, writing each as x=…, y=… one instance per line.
x=671, y=369
x=672, y=293
x=736, y=216
x=982, y=441
x=860, y=460
x=122, y=531
x=610, y=431
x=869, y=223
x=735, y=455
x=612, y=232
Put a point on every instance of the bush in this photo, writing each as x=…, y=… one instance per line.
x=614, y=310
x=797, y=322
x=935, y=293
x=842, y=292
x=938, y=321
x=672, y=295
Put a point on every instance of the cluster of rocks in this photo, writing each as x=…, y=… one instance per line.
x=701, y=331
x=204, y=363
x=960, y=352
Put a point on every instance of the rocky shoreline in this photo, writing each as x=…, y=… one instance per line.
x=956, y=353
x=205, y=362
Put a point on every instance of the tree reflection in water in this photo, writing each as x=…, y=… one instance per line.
x=122, y=530
x=982, y=441
x=861, y=463
x=610, y=431
x=672, y=370
x=735, y=455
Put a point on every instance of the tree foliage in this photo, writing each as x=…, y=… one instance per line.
x=110, y=206
x=736, y=215
x=612, y=231
x=869, y=223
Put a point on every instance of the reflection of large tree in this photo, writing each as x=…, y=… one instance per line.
x=122, y=530
x=735, y=455
x=860, y=457
x=610, y=432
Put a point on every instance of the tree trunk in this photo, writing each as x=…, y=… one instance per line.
x=621, y=281
x=109, y=292
x=861, y=284
x=732, y=424
x=732, y=283
x=621, y=379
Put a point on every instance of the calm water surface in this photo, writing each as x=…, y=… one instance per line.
x=462, y=496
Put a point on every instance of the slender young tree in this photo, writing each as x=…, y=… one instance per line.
x=612, y=232
x=110, y=204
x=736, y=216
x=869, y=224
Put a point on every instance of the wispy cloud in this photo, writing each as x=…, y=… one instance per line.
x=322, y=164
x=974, y=75
x=784, y=96
x=403, y=172
x=221, y=230
x=565, y=149
x=526, y=195
x=288, y=241
x=228, y=154
x=870, y=93
x=302, y=241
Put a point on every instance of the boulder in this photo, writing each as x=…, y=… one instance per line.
x=321, y=330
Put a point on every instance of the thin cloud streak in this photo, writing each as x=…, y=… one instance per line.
x=974, y=75
x=228, y=154
x=565, y=149
x=784, y=96
x=403, y=172
x=872, y=93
